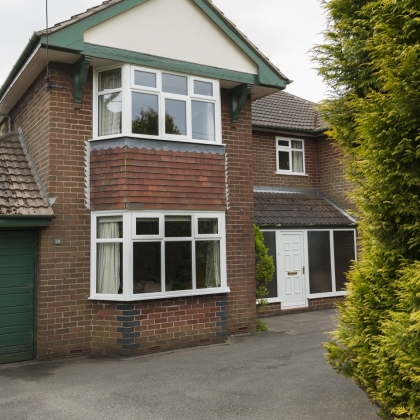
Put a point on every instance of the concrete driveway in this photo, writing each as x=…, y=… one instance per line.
x=280, y=374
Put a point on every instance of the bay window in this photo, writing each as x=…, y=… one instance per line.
x=148, y=103
x=141, y=255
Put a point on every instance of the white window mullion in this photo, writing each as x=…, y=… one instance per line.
x=127, y=262
x=162, y=266
x=93, y=257
x=332, y=261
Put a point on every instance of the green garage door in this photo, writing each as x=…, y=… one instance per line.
x=17, y=272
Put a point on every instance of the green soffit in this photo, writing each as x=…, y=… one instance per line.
x=70, y=38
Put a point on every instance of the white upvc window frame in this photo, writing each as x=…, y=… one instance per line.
x=130, y=237
x=128, y=86
x=289, y=149
x=334, y=292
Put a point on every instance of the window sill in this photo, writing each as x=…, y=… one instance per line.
x=146, y=137
x=327, y=295
x=155, y=296
x=291, y=174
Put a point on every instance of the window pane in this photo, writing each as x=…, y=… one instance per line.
x=177, y=226
x=145, y=114
x=284, y=143
x=203, y=88
x=319, y=262
x=343, y=255
x=174, y=84
x=110, y=113
x=178, y=266
x=208, y=226
x=297, y=144
x=147, y=226
x=297, y=162
x=284, y=161
x=203, y=121
x=109, y=227
x=145, y=78
x=147, y=267
x=207, y=264
x=110, y=79
x=270, y=243
x=175, y=117
x=109, y=269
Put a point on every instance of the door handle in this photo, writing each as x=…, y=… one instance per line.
x=303, y=270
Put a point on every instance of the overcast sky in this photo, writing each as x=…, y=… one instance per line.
x=284, y=30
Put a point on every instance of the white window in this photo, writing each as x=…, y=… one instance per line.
x=150, y=255
x=148, y=103
x=290, y=156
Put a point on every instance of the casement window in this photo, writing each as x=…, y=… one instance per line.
x=290, y=156
x=139, y=255
x=148, y=103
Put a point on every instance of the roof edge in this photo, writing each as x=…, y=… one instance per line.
x=26, y=53
x=314, y=133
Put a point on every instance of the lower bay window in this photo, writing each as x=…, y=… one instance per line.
x=139, y=255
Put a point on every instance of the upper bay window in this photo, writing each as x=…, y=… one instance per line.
x=154, y=104
x=290, y=156
x=139, y=255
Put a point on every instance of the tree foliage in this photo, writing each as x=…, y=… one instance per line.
x=371, y=62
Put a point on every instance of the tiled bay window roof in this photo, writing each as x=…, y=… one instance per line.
x=20, y=190
x=285, y=111
x=303, y=209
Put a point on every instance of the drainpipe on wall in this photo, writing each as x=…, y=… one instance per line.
x=10, y=120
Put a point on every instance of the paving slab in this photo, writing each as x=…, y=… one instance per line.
x=278, y=375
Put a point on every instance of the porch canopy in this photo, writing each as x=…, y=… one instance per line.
x=298, y=208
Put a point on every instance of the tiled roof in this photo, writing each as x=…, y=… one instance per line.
x=297, y=209
x=283, y=110
x=20, y=192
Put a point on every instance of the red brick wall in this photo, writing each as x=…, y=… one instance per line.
x=158, y=179
x=315, y=304
x=239, y=218
x=158, y=325
x=331, y=173
x=264, y=163
x=55, y=133
x=32, y=115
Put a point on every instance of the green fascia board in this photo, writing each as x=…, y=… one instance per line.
x=25, y=221
x=148, y=60
x=267, y=74
x=71, y=38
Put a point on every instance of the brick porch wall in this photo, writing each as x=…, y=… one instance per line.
x=315, y=304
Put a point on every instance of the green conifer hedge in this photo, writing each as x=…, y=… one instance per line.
x=371, y=62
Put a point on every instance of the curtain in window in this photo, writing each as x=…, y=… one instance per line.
x=109, y=259
x=297, y=162
x=213, y=261
x=203, y=121
x=110, y=104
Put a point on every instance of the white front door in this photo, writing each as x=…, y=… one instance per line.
x=290, y=269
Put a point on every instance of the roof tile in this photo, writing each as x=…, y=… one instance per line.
x=297, y=209
x=20, y=193
x=283, y=110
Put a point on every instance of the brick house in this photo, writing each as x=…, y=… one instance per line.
x=128, y=158
x=300, y=193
